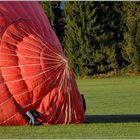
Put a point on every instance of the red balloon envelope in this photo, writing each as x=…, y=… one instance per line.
x=34, y=72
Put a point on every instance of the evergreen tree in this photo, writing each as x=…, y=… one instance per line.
x=132, y=34
x=50, y=8
x=110, y=35
x=80, y=32
x=93, y=36
x=98, y=37
x=55, y=15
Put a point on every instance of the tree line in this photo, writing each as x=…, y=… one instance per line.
x=98, y=37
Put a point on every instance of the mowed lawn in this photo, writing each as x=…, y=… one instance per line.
x=113, y=111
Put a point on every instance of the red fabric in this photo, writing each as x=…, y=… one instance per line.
x=34, y=72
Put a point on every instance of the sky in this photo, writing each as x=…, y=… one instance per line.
x=62, y=5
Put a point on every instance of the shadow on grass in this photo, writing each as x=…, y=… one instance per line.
x=112, y=118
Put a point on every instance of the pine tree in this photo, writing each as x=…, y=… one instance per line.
x=50, y=8
x=110, y=35
x=80, y=32
x=132, y=34
x=93, y=36
x=98, y=37
x=55, y=15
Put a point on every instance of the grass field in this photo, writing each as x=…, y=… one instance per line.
x=113, y=111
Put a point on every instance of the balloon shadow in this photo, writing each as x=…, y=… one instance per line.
x=112, y=118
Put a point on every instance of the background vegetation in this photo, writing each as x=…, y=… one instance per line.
x=98, y=37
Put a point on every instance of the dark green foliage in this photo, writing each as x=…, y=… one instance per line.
x=79, y=35
x=55, y=16
x=50, y=8
x=132, y=34
x=93, y=37
x=98, y=37
x=109, y=35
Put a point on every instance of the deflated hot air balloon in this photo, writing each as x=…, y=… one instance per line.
x=34, y=72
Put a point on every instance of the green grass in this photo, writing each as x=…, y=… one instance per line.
x=105, y=130
x=113, y=96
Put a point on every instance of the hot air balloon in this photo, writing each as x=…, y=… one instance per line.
x=34, y=72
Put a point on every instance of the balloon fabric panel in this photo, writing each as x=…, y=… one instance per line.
x=34, y=72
